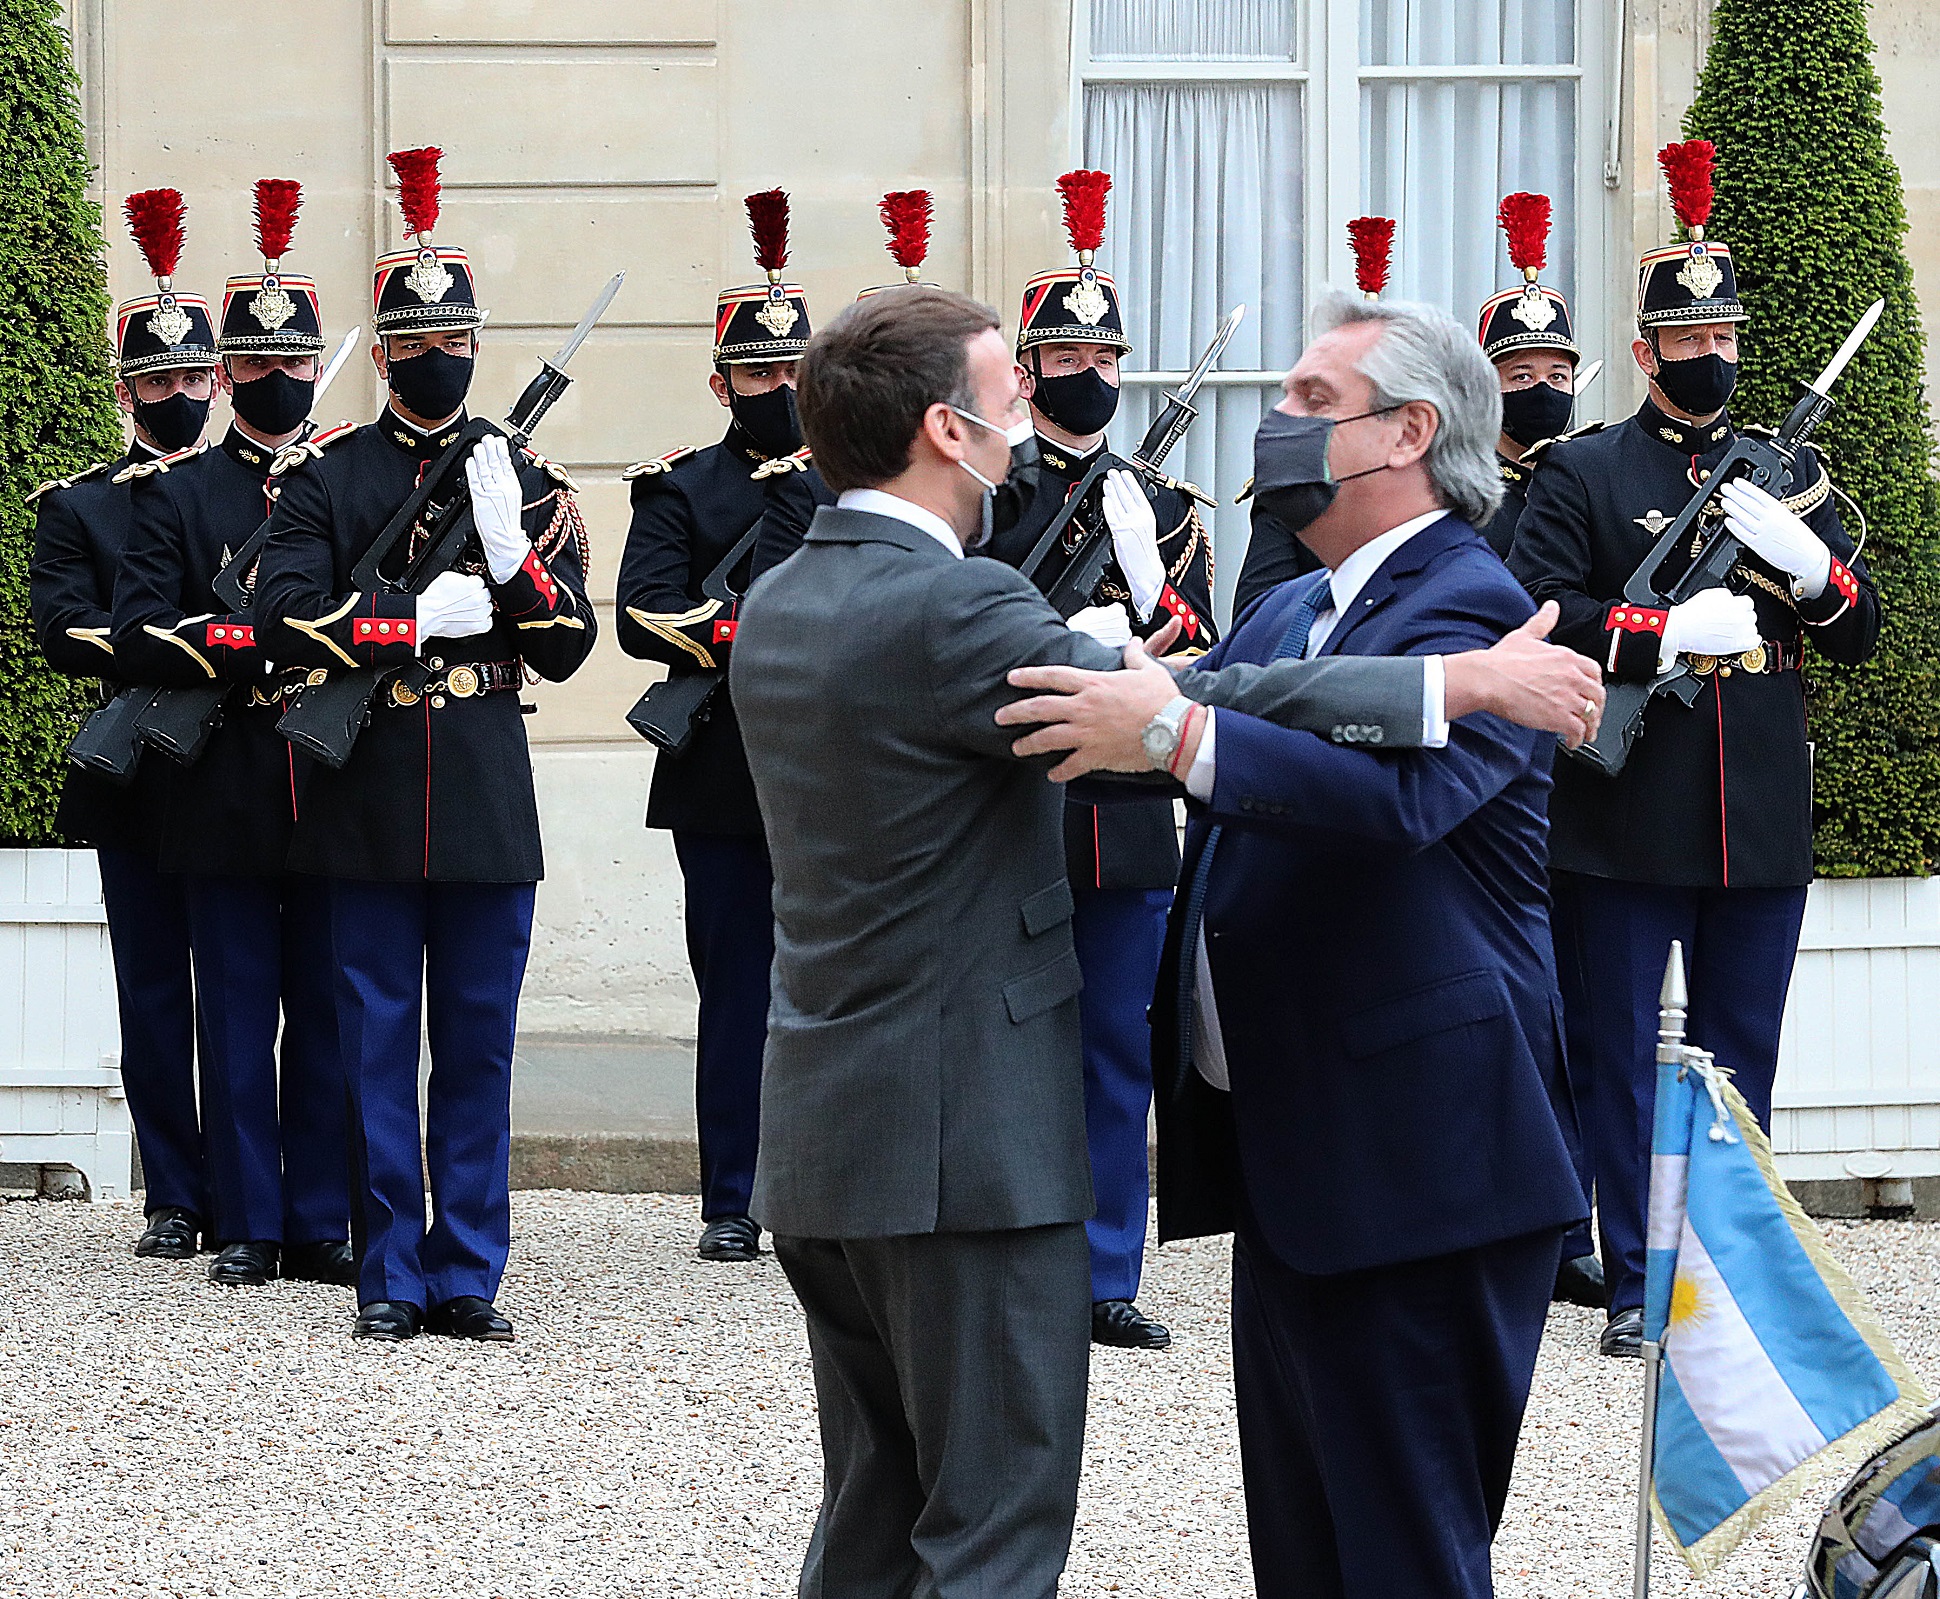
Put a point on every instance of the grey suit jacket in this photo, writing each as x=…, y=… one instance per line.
x=923, y=1071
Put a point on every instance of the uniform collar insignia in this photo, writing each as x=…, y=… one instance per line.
x=416, y=441
x=738, y=441
x=1064, y=461
x=1689, y=438
x=246, y=450
x=1512, y=471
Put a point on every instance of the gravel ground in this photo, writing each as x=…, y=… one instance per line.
x=652, y=1431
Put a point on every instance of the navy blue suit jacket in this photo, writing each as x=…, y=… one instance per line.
x=1377, y=923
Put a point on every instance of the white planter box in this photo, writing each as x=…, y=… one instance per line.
x=1858, y=1092
x=61, y=1102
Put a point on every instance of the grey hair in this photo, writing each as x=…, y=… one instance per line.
x=1425, y=354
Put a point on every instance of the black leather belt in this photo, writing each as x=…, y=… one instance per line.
x=461, y=680
x=1767, y=658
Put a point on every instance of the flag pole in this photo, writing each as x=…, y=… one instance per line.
x=1672, y=1003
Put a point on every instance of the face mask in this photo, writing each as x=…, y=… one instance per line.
x=1536, y=413
x=274, y=403
x=1291, y=479
x=432, y=384
x=768, y=419
x=175, y=423
x=1081, y=403
x=1699, y=386
x=1021, y=437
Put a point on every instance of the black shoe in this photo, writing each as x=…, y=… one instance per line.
x=468, y=1316
x=330, y=1262
x=1121, y=1324
x=169, y=1235
x=1580, y=1282
x=244, y=1265
x=1624, y=1336
x=730, y=1238
x=388, y=1321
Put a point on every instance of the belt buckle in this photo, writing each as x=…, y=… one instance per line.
x=1702, y=665
x=403, y=696
x=1753, y=660
x=461, y=683
x=318, y=675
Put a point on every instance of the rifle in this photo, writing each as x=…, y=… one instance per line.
x=107, y=744
x=1766, y=463
x=668, y=712
x=326, y=717
x=1086, y=545
x=180, y=721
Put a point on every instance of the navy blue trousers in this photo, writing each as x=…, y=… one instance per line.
x=148, y=930
x=1378, y=1415
x=1119, y=933
x=1612, y=940
x=452, y=957
x=731, y=945
x=278, y=1170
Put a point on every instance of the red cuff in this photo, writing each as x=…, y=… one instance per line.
x=1172, y=601
x=1840, y=594
x=724, y=632
x=384, y=630
x=229, y=635
x=1636, y=634
x=543, y=587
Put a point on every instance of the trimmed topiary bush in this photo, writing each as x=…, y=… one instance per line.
x=1810, y=203
x=57, y=408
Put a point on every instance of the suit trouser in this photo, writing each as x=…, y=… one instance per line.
x=950, y=1372
x=148, y=929
x=1378, y=1415
x=731, y=945
x=453, y=954
x=1119, y=934
x=278, y=1170
x=1612, y=939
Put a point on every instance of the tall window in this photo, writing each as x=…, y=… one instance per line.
x=1242, y=134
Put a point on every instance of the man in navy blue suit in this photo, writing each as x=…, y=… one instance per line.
x=1356, y=1038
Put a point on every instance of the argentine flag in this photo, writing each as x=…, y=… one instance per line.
x=1770, y=1355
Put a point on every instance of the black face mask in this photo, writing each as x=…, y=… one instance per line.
x=1291, y=479
x=1699, y=386
x=432, y=384
x=1082, y=403
x=274, y=403
x=770, y=419
x=175, y=423
x=1536, y=413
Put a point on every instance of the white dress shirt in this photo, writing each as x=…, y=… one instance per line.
x=902, y=510
x=1345, y=585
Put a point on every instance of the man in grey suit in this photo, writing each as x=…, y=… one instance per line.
x=923, y=1165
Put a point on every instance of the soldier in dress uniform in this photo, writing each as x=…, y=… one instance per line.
x=429, y=834
x=1122, y=859
x=691, y=508
x=278, y=1170
x=1526, y=332
x=1706, y=834
x=165, y=349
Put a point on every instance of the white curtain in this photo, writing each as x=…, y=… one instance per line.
x=1442, y=33
x=1206, y=213
x=1192, y=30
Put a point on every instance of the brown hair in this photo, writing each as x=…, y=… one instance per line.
x=867, y=379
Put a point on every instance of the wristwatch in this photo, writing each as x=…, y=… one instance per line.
x=1162, y=734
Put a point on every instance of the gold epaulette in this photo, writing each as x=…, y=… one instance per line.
x=552, y=469
x=662, y=463
x=1534, y=453
x=310, y=449
x=780, y=465
x=68, y=482
x=161, y=463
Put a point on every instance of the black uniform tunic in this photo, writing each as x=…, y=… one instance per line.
x=1500, y=530
x=1720, y=794
x=690, y=508
x=81, y=528
x=231, y=811
x=439, y=789
x=1135, y=843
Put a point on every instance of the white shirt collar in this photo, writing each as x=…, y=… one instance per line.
x=894, y=505
x=1351, y=576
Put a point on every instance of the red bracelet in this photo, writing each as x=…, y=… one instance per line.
x=1194, y=716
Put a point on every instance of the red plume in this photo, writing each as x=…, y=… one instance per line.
x=155, y=219
x=1525, y=219
x=417, y=186
x=1084, y=207
x=768, y=222
x=1373, y=242
x=906, y=214
x=1689, y=167
x=277, y=201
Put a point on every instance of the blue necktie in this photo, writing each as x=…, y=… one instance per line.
x=1292, y=647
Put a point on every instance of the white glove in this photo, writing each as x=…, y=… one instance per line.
x=1108, y=624
x=496, y=501
x=1710, y=622
x=454, y=605
x=1777, y=536
x=1134, y=539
